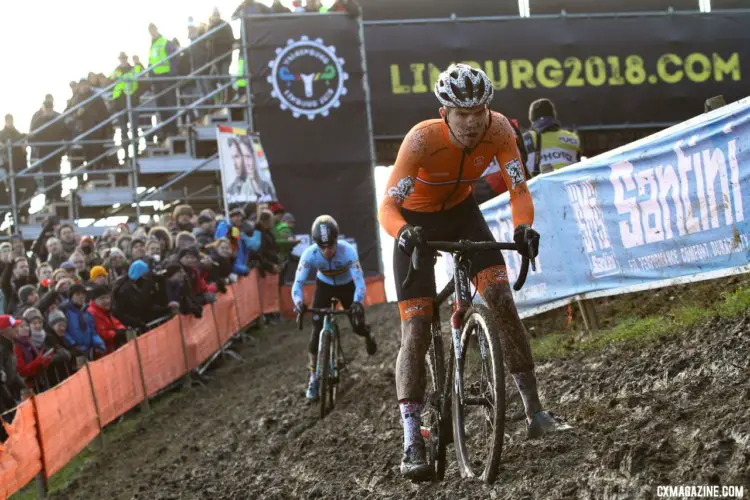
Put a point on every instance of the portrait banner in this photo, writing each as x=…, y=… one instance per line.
x=245, y=172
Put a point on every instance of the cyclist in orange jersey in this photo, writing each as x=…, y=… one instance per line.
x=428, y=197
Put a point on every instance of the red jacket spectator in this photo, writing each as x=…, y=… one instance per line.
x=107, y=326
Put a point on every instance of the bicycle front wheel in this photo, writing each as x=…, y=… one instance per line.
x=324, y=361
x=479, y=397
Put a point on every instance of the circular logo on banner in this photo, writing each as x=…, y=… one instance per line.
x=307, y=77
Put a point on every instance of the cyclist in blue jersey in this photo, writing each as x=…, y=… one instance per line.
x=340, y=276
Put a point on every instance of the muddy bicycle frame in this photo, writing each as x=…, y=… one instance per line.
x=330, y=352
x=441, y=395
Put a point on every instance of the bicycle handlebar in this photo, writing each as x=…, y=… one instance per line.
x=465, y=246
x=326, y=310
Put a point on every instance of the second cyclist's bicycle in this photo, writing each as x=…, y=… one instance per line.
x=469, y=394
x=331, y=359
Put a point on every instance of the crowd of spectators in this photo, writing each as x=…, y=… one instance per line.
x=68, y=296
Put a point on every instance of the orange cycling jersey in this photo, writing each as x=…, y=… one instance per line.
x=432, y=174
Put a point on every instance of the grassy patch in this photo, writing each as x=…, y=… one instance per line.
x=645, y=329
x=62, y=478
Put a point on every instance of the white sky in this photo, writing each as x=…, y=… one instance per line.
x=48, y=43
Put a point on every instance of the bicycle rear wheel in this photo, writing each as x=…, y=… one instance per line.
x=324, y=357
x=434, y=417
x=479, y=408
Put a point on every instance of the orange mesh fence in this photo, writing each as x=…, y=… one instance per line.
x=67, y=421
x=117, y=383
x=162, y=358
x=20, y=455
x=269, y=286
x=226, y=315
x=248, y=298
x=200, y=337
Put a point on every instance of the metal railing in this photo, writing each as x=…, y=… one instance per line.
x=132, y=136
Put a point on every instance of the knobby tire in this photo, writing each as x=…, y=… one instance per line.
x=478, y=319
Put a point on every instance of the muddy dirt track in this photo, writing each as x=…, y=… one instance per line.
x=674, y=412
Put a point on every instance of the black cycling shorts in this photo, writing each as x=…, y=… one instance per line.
x=322, y=299
x=462, y=222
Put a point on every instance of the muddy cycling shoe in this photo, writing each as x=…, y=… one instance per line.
x=545, y=422
x=414, y=463
x=312, y=390
x=370, y=344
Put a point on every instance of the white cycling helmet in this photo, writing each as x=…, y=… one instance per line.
x=461, y=86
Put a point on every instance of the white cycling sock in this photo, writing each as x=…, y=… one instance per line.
x=411, y=416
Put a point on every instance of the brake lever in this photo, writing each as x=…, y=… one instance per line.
x=532, y=260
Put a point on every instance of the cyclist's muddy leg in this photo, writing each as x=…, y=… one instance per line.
x=416, y=316
x=492, y=284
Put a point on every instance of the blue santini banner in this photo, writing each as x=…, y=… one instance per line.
x=667, y=209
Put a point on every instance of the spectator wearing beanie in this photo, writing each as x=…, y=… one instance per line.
x=204, y=233
x=242, y=243
x=182, y=216
x=179, y=297
x=116, y=264
x=99, y=276
x=81, y=333
x=34, y=318
x=62, y=362
x=136, y=299
x=107, y=325
x=283, y=234
x=27, y=297
x=184, y=240
x=220, y=252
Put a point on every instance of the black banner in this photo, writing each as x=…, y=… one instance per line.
x=597, y=70
x=310, y=109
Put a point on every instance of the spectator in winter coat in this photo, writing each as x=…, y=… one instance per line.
x=66, y=235
x=189, y=258
x=136, y=299
x=200, y=55
x=222, y=43
x=87, y=248
x=34, y=318
x=55, y=254
x=81, y=333
x=204, y=233
x=116, y=264
x=242, y=243
x=109, y=328
x=183, y=239
x=123, y=243
x=70, y=271
x=14, y=277
x=165, y=240
x=268, y=257
x=11, y=383
x=32, y=363
x=48, y=303
x=220, y=252
x=62, y=362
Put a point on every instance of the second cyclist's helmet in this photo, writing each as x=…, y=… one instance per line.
x=325, y=230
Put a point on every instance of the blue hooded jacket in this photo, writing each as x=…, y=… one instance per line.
x=245, y=245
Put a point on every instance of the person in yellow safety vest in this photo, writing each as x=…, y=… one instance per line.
x=125, y=85
x=550, y=147
x=240, y=82
x=161, y=66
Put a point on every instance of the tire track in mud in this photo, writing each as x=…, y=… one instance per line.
x=672, y=412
